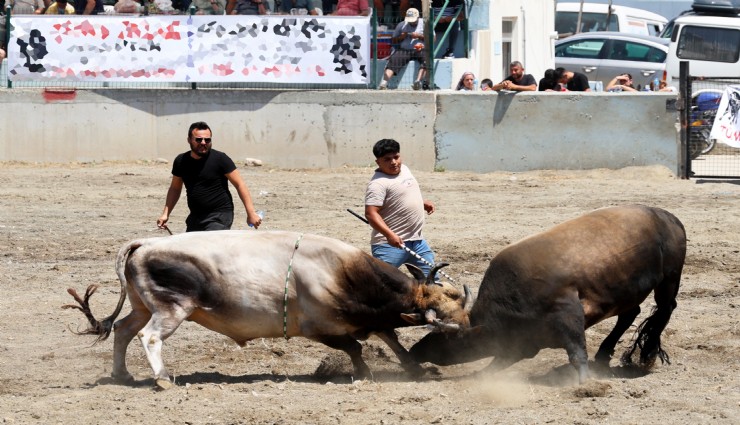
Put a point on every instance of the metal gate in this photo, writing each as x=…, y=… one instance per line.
x=705, y=157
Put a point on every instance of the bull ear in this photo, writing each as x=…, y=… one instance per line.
x=415, y=272
x=433, y=272
x=413, y=318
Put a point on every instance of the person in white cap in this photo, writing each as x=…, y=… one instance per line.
x=409, y=37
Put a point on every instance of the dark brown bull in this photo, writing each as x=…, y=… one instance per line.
x=545, y=290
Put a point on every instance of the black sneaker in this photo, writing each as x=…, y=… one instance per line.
x=417, y=85
x=449, y=54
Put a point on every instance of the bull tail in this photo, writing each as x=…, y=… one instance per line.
x=103, y=328
x=648, y=339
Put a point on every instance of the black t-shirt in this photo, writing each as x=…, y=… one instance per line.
x=527, y=80
x=205, y=181
x=578, y=83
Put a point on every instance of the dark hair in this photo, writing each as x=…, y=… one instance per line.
x=200, y=125
x=487, y=82
x=548, y=82
x=558, y=74
x=385, y=146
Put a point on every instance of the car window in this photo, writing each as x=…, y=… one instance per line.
x=709, y=44
x=567, y=22
x=588, y=49
x=632, y=51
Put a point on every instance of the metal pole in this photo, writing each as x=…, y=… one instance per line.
x=407, y=249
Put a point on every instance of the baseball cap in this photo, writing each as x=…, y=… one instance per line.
x=412, y=15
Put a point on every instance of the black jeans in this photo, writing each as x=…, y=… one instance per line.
x=219, y=220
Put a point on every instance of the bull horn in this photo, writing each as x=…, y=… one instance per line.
x=430, y=316
x=433, y=272
x=468, y=304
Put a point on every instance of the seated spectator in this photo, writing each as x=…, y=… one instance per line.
x=88, y=7
x=352, y=8
x=467, y=82
x=517, y=80
x=60, y=7
x=245, y=7
x=447, y=14
x=622, y=82
x=24, y=7
x=409, y=36
x=573, y=81
x=128, y=6
x=486, y=84
x=2, y=54
x=310, y=6
x=662, y=86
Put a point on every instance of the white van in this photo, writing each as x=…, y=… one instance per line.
x=596, y=17
x=709, y=42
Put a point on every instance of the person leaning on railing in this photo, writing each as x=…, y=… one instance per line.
x=25, y=7
x=88, y=7
x=245, y=7
x=60, y=7
x=352, y=8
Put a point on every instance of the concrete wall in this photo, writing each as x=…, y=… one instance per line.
x=479, y=132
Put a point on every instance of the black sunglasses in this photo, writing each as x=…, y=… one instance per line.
x=202, y=139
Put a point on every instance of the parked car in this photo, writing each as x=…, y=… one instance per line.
x=598, y=17
x=603, y=55
x=708, y=38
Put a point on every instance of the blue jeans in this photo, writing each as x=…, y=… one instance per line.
x=397, y=256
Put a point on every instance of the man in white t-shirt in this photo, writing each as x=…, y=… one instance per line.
x=395, y=209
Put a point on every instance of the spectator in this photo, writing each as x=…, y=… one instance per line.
x=287, y=5
x=447, y=14
x=328, y=6
x=352, y=8
x=209, y=7
x=24, y=7
x=622, y=82
x=60, y=7
x=467, y=82
x=88, y=7
x=573, y=81
x=662, y=86
x=517, y=80
x=205, y=172
x=395, y=209
x=245, y=7
x=548, y=82
x=409, y=36
x=2, y=54
x=486, y=84
x=128, y=6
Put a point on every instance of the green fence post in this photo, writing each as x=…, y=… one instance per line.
x=191, y=11
x=374, y=52
x=5, y=43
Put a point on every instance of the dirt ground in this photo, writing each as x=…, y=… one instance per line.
x=62, y=225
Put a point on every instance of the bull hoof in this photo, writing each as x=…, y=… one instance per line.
x=163, y=384
x=122, y=378
x=414, y=370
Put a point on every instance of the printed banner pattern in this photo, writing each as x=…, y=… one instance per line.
x=726, y=127
x=269, y=49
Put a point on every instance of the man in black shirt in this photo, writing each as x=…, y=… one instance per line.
x=573, y=81
x=518, y=80
x=205, y=172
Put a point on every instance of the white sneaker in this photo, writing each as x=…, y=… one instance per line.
x=383, y=85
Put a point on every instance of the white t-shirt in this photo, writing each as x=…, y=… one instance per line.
x=401, y=204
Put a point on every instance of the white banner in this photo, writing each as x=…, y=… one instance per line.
x=181, y=48
x=726, y=127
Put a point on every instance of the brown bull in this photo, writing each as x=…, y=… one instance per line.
x=545, y=290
